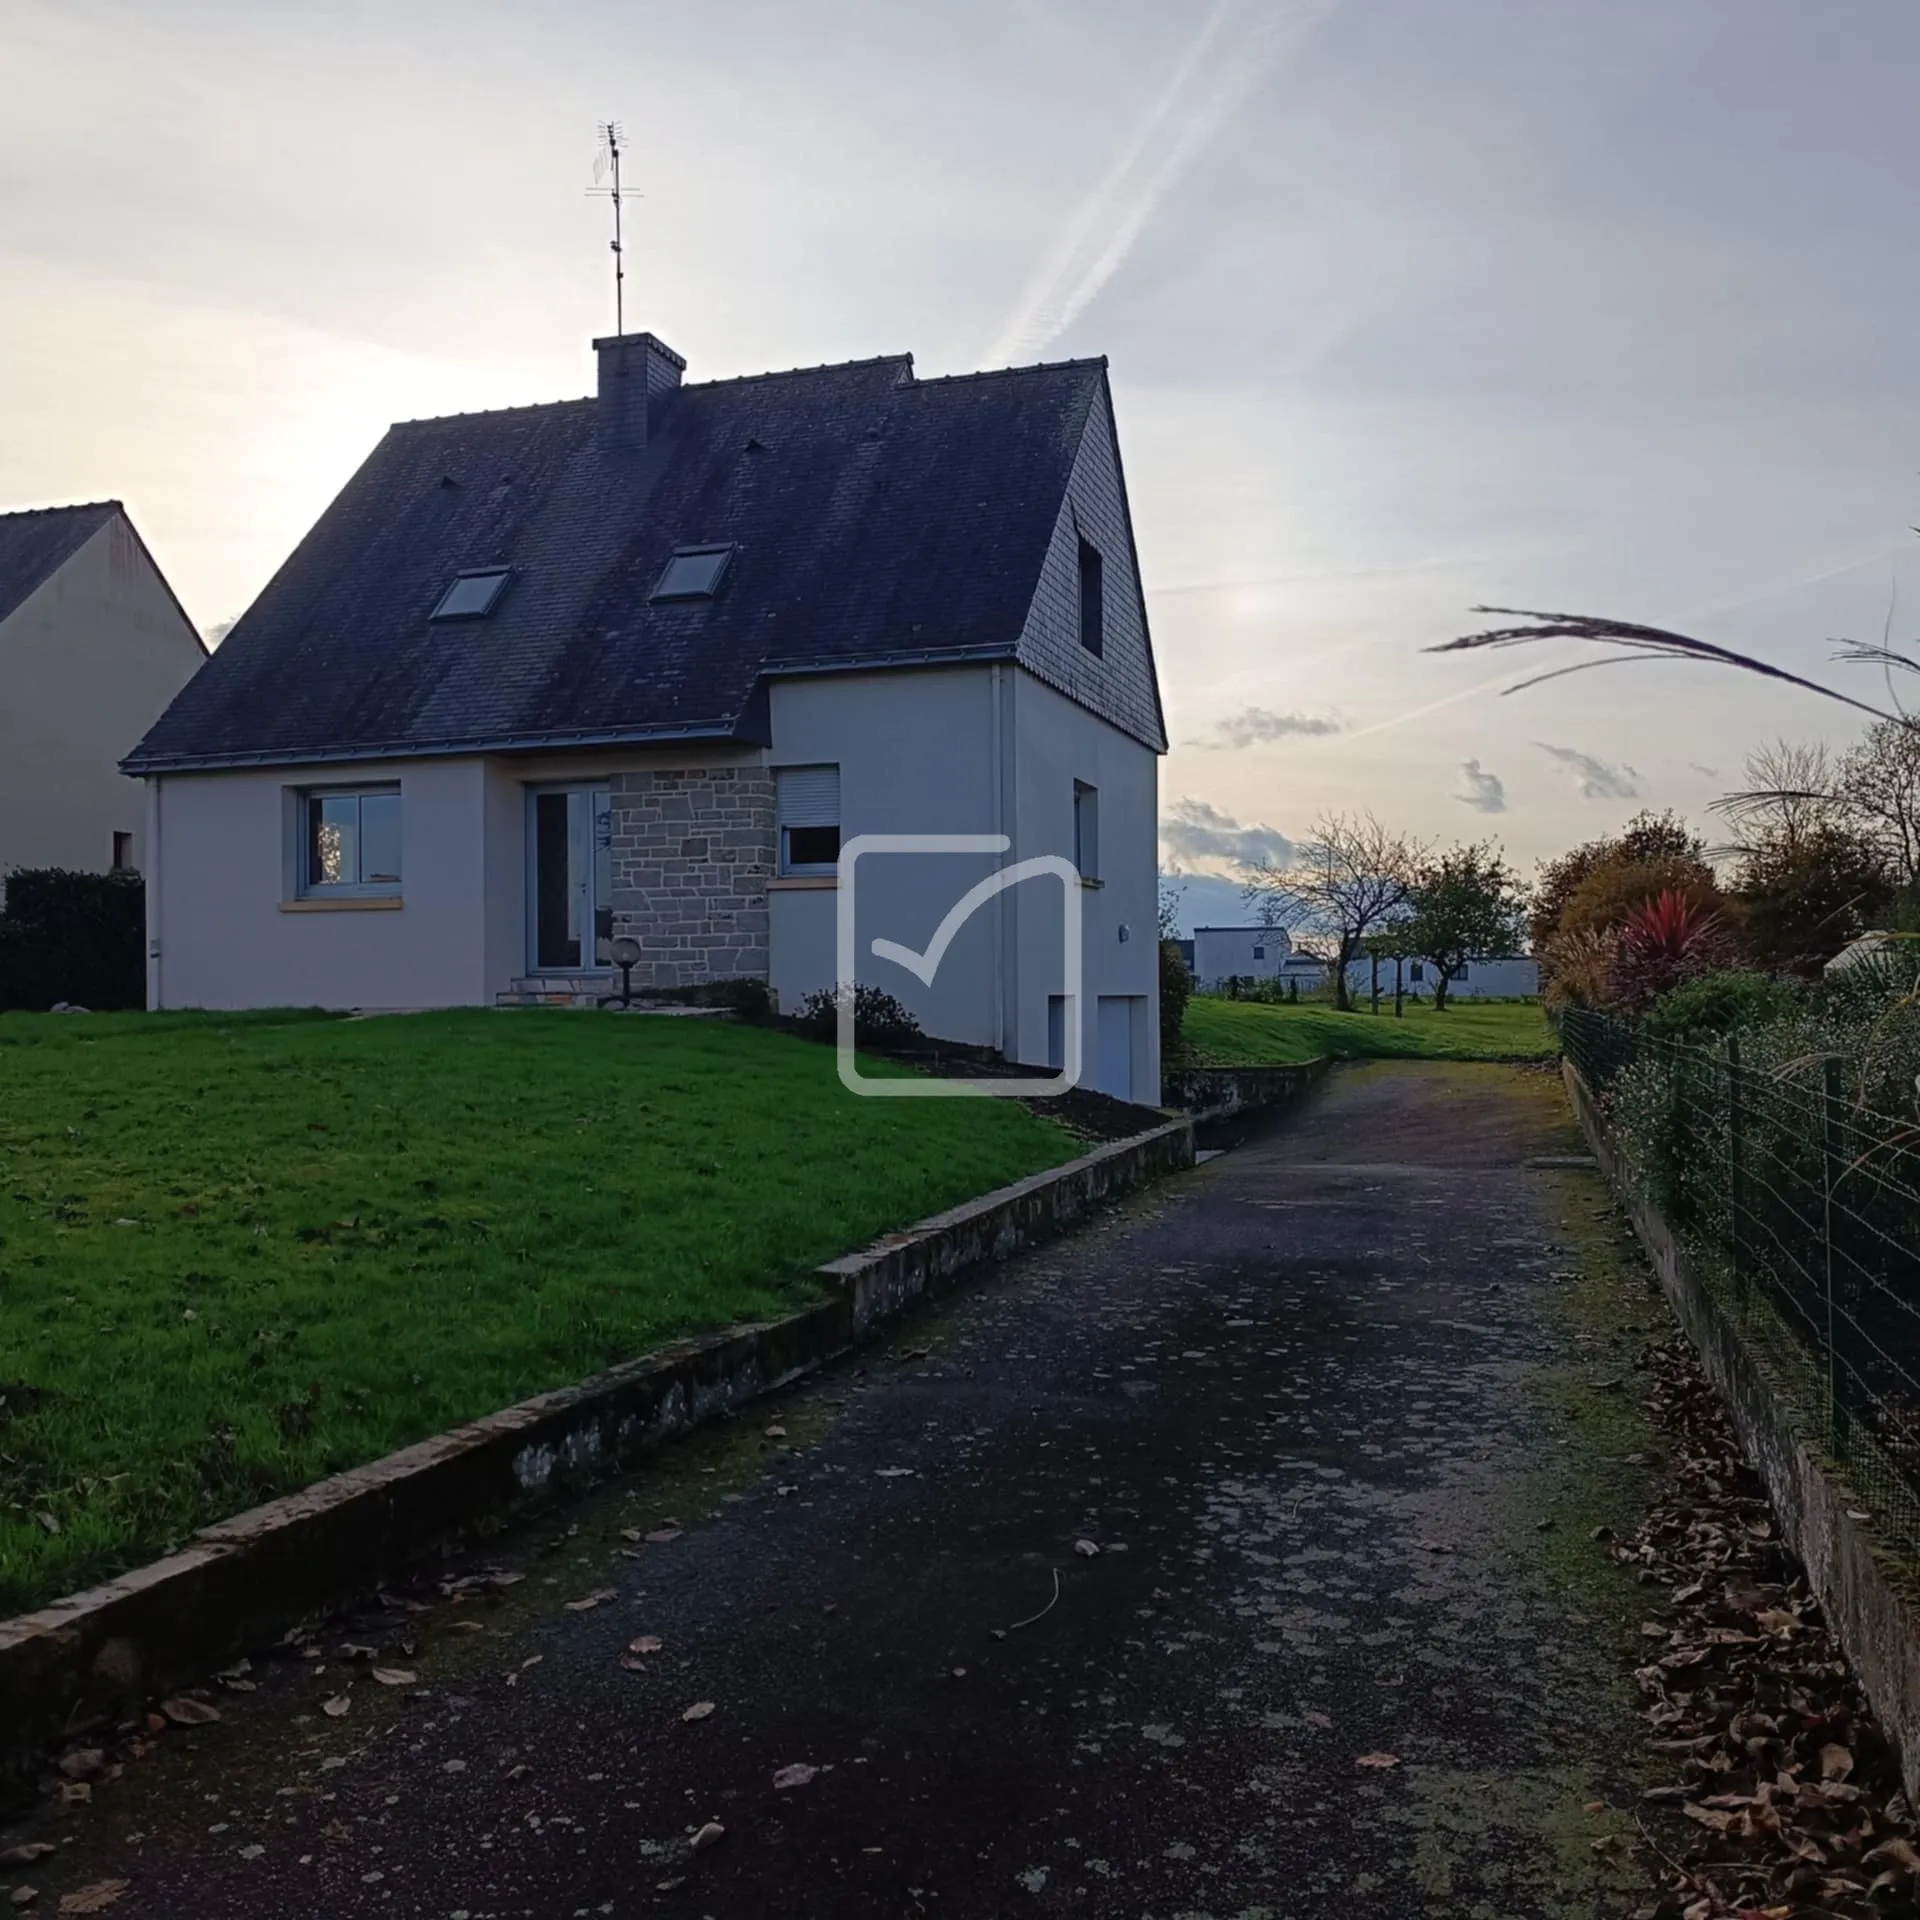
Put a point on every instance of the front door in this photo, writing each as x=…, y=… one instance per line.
x=570, y=879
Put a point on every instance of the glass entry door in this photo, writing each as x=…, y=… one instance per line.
x=570, y=886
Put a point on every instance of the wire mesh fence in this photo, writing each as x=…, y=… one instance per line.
x=1805, y=1206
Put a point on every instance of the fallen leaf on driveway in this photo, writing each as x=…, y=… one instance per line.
x=796, y=1775
x=698, y=1711
x=661, y=1535
x=1088, y=1548
x=23, y=1896
x=337, y=1708
x=26, y=1855
x=776, y=1431
x=1378, y=1760
x=708, y=1834
x=185, y=1712
x=1835, y=1762
x=396, y=1677
x=647, y=1643
x=587, y=1602
x=96, y=1898
x=1316, y=1720
x=466, y=1626
x=893, y=1473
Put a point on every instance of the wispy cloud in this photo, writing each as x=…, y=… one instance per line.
x=1195, y=831
x=1596, y=779
x=1257, y=726
x=1482, y=790
x=1711, y=773
x=1224, y=63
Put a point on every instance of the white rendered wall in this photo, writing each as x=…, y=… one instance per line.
x=88, y=661
x=1223, y=953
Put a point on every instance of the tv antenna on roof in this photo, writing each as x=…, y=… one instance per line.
x=607, y=162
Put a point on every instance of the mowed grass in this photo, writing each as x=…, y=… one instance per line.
x=1250, y=1033
x=239, y=1254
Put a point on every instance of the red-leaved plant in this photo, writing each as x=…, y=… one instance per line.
x=1662, y=943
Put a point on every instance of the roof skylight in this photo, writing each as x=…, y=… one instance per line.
x=693, y=573
x=471, y=594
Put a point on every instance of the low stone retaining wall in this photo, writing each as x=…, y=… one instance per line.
x=1870, y=1600
x=247, y=1579
x=1215, y=1093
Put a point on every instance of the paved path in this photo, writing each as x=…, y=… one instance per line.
x=1304, y=1402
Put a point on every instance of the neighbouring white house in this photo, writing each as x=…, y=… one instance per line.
x=1513, y=976
x=640, y=664
x=93, y=645
x=1221, y=954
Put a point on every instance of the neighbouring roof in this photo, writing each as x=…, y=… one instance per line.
x=36, y=543
x=876, y=519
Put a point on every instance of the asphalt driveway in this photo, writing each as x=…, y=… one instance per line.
x=1231, y=1558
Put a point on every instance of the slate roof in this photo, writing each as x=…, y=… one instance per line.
x=36, y=543
x=879, y=519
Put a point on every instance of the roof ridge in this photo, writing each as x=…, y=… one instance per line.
x=1001, y=373
x=793, y=373
x=77, y=506
x=491, y=413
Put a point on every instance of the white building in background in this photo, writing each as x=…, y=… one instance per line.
x=93, y=645
x=1510, y=977
x=1221, y=954
x=637, y=665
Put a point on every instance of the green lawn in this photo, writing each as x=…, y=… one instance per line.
x=1249, y=1033
x=237, y=1254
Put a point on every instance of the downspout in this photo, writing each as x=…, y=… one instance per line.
x=996, y=762
x=156, y=996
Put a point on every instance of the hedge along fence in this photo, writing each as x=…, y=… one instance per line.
x=77, y=937
x=1802, y=1209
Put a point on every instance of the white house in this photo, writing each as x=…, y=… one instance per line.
x=1512, y=976
x=640, y=665
x=92, y=647
x=1221, y=954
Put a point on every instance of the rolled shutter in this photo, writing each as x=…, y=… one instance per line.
x=808, y=796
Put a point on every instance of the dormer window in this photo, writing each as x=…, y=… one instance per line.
x=693, y=573
x=471, y=594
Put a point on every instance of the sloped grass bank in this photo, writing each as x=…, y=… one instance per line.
x=1253, y=1033
x=239, y=1254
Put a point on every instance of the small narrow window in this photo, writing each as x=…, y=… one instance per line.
x=807, y=803
x=1086, y=830
x=1093, y=601
x=693, y=573
x=1259, y=953
x=1460, y=973
x=123, y=853
x=1418, y=971
x=350, y=840
x=471, y=594
x=1057, y=1031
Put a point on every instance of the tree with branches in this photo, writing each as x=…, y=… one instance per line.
x=1351, y=878
x=1466, y=905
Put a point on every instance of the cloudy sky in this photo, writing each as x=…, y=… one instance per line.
x=1409, y=306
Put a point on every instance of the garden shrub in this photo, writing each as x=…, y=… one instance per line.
x=1704, y=1011
x=879, y=1020
x=1176, y=988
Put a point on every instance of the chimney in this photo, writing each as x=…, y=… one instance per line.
x=637, y=372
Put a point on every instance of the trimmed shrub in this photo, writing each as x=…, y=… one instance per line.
x=74, y=937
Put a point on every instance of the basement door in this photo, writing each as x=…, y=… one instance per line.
x=569, y=879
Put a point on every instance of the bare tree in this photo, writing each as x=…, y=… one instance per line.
x=1354, y=877
x=1877, y=786
x=1790, y=795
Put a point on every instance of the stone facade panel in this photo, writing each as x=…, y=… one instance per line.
x=692, y=854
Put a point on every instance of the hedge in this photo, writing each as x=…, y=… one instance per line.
x=74, y=937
